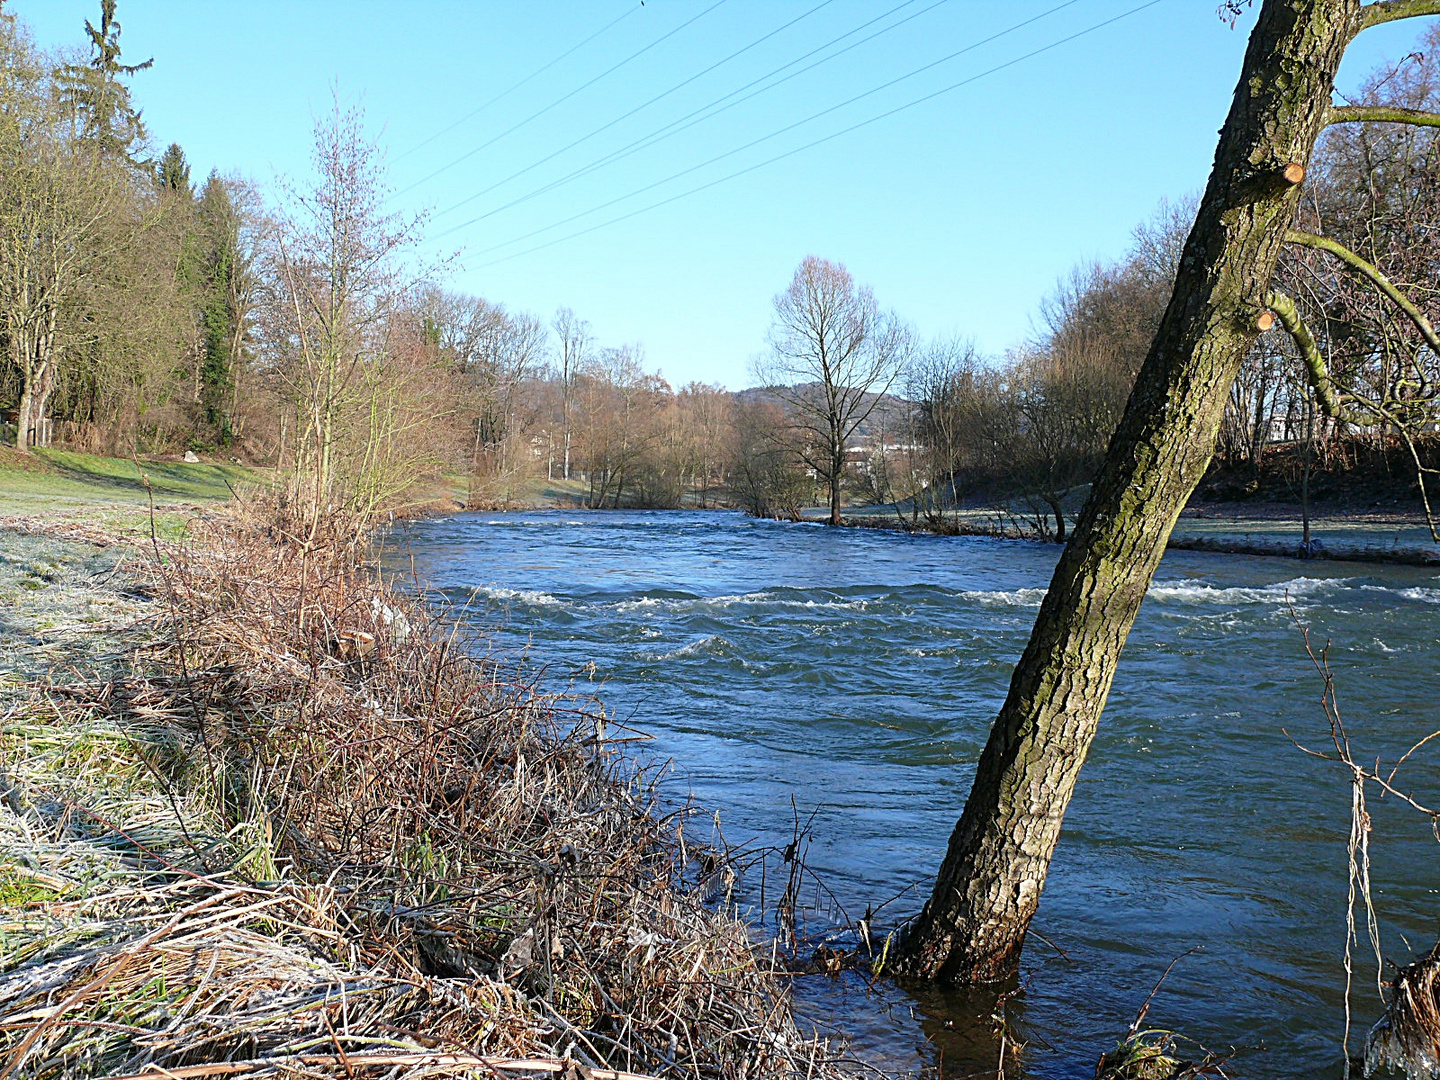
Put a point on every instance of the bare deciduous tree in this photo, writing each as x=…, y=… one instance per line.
x=833, y=354
x=63, y=225
x=574, y=353
x=335, y=281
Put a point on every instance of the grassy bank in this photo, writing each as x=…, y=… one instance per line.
x=110, y=494
x=116, y=493
x=260, y=815
x=47, y=481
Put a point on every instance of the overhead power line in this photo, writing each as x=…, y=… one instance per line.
x=528, y=78
x=817, y=142
x=644, y=105
x=561, y=100
x=772, y=135
x=694, y=117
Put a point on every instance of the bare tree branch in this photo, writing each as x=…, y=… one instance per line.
x=1381, y=114
x=1390, y=10
x=1284, y=307
x=1371, y=272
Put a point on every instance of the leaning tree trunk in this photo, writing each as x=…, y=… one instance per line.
x=973, y=926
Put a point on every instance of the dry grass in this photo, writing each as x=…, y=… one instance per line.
x=311, y=835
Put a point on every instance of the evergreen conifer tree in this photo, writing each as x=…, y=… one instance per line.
x=218, y=227
x=100, y=101
x=172, y=172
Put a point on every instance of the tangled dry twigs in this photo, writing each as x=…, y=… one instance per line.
x=314, y=836
x=1407, y=1037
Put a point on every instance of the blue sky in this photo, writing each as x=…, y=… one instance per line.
x=961, y=211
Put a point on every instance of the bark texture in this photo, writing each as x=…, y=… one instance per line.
x=973, y=926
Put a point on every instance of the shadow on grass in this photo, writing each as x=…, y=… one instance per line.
x=168, y=479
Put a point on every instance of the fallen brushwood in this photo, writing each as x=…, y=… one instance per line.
x=436, y=1063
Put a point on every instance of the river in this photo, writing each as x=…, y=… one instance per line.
x=857, y=672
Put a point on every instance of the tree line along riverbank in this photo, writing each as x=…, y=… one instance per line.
x=201, y=285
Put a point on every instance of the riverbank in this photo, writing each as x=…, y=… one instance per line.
x=1246, y=528
x=116, y=492
x=260, y=813
x=57, y=481
x=1339, y=532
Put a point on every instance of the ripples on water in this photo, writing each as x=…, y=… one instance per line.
x=859, y=671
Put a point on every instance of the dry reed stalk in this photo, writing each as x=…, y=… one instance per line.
x=314, y=831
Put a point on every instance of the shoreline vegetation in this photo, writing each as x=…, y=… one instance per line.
x=260, y=814
x=113, y=492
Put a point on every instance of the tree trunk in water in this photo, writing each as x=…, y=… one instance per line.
x=1059, y=512
x=988, y=887
x=1305, y=477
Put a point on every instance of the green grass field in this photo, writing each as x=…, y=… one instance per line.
x=59, y=482
x=112, y=491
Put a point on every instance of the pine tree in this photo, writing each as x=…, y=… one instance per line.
x=100, y=101
x=172, y=172
x=219, y=286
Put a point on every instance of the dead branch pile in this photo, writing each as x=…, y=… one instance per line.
x=315, y=837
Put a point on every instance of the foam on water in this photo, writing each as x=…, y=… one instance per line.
x=1425, y=596
x=1300, y=588
x=1004, y=597
x=710, y=645
x=532, y=597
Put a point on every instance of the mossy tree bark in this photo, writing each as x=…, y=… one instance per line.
x=974, y=924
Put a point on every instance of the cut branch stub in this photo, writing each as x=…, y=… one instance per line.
x=1294, y=173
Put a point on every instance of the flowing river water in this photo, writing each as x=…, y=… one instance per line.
x=858, y=671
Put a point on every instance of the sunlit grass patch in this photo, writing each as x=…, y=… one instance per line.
x=53, y=480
